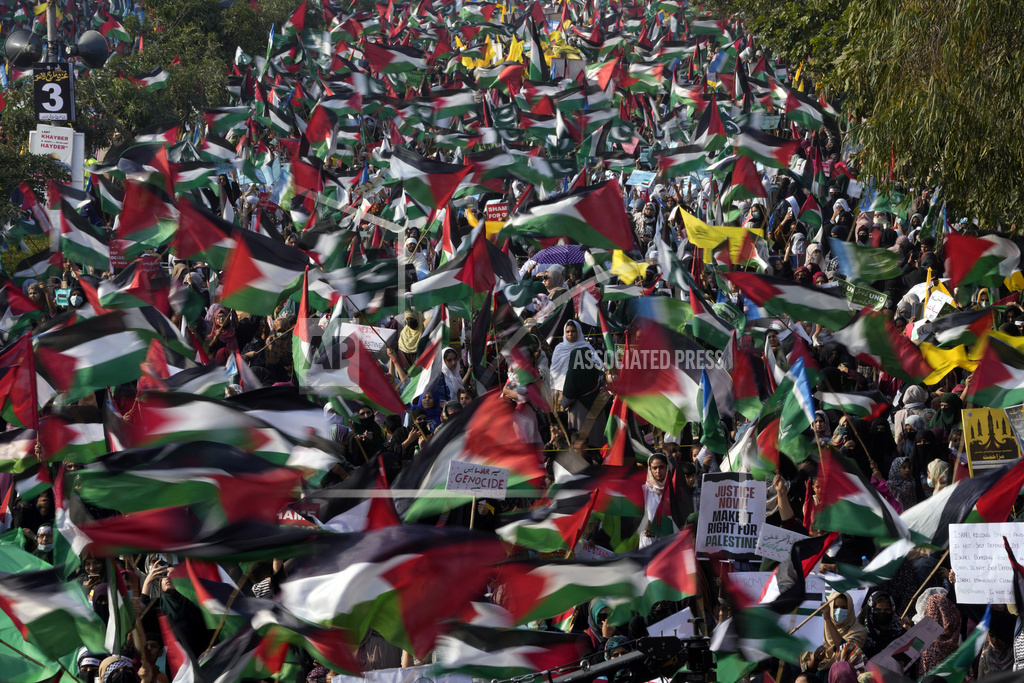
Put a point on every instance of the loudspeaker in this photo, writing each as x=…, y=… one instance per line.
x=23, y=48
x=92, y=49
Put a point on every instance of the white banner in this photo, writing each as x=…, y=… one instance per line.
x=980, y=563
x=731, y=514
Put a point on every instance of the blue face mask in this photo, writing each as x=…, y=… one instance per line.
x=839, y=614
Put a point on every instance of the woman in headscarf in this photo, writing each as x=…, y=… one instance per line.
x=927, y=449
x=842, y=672
x=881, y=444
x=944, y=612
x=815, y=256
x=913, y=404
x=409, y=337
x=562, y=355
x=219, y=334
x=452, y=379
x=901, y=483
x=429, y=404
x=657, y=522
x=948, y=415
x=822, y=428
x=907, y=438
x=938, y=475
x=841, y=626
x=584, y=377
x=554, y=281
x=881, y=623
x=598, y=628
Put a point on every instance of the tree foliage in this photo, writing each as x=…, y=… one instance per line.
x=933, y=88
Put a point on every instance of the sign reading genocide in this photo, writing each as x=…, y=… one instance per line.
x=732, y=507
x=482, y=481
x=54, y=92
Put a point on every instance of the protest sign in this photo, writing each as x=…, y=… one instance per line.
x=988, y=438
x=774, y=543
x=641, y=178
x=374, y=338
x=677, y=625
x=732, y=507
x=939, y=303
x=412, y=674
x=860, y=296
x=1015, y=416
x=588, y=550
x=900, y=654
x=482, y=481
x=753, y=583
x=979, y=560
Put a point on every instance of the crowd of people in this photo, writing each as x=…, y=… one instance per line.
x=323, y=332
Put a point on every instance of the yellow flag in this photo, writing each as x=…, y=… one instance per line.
x=515, y=51
x=707, y=237
x=626, y=268
x=1015, y=283
x=471, y=218
x=943, y=361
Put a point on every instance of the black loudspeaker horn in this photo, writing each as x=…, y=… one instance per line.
x=92, y=49
x=23, y=48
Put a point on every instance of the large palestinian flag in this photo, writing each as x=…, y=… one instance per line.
x=594, y=216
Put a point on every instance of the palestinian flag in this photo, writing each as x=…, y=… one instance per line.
x=865, y=264
x=851, y=505
x=134, y=287
x=111, y=28
x=452, y=103
x=786, y=588
x=153, y=80
x=202, y=236
x=880, y=569
x=999, y=380
x=261, y=273
x=984, y=260
x=51, y=614
x=747, y=372
x=743, y=183
x=178, y=530
x=147, y=219
x=387, y=580
x=224, y=120
x=476, y=269
x=869, y=405
x=768, y=150
x=483, y=433
x=17, y=450
x=956, y=329
x=302, y=334
x=245, y=488
x=753, y=633
x=431, y=183
x=360, y=503
x=550, y=529
x=712, y=429
x=804, y=111
x=799, y=302
x=497, y=653
x=63, y=439
x=987, y=498
x=91, y=354
x=19, y=384
x=216, y=149
x=594, y=216
x=874, y=340
x=797, y=412
x=645, y=77
x=425, y=373
x=659, y=390
x=81, y=241
x=810, y=212
x=683, y=160
x=705, y=324
x=349, y=370
x=538, y=70
x=37, y=267
x=394, y=59
x=709, y=134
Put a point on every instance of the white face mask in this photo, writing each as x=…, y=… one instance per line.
x=839, y=614
x=75, y=301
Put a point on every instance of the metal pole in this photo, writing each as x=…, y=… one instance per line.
x=51, y=32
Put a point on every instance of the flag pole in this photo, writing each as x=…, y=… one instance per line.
x=472, y=513
x=924, y=583
x=227, y=609
x=809, y=616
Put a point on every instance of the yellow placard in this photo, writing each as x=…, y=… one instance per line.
x=707, y=237
x=988, y=438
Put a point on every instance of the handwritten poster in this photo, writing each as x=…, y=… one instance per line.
x=775, y=543
x=980, y=563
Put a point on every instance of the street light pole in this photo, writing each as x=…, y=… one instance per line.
x=52, y=53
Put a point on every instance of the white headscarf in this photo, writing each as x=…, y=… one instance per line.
x=562, y=353
x=452, y=378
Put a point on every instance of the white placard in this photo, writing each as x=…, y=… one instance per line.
x=752, y=583
x=979, y=560
x=900, y=654
x=731, y=514
x=588, y=550
x=677, y=625
x=482, y=481
x=371, y=336
x=936, y=300
x=775, y=543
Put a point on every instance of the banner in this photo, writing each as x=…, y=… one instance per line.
x=988, y=439
x=978, y=558
x=732, y=507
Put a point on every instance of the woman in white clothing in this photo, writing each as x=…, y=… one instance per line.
x=657, y=522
